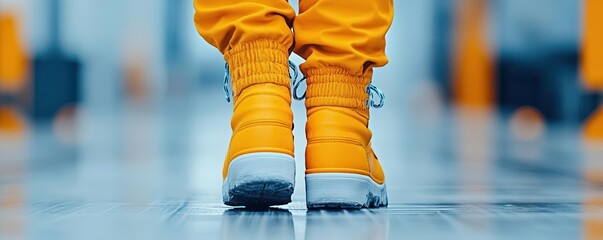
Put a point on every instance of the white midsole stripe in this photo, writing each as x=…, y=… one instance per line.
x=345, y=176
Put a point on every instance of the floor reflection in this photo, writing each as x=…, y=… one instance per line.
x=252, y=224
x=147, y=175
x=278, y=223
x=346, y=224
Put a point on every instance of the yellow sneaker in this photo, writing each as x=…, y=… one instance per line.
x=342, y=171
x=259, y=169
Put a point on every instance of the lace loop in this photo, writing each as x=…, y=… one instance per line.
x=296, y=82
x=226, y=84
x=296, y=86
x=294, y=70
x=371, y=90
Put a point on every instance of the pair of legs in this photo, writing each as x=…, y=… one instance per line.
x=342, y=41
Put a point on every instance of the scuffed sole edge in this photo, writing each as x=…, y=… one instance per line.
x=259, y=180
x=343, y=190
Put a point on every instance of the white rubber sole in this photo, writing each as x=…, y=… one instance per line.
x=343, y=190
x=259, y=180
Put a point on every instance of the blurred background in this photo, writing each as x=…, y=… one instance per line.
x=120, y=101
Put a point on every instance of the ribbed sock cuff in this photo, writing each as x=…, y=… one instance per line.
x=336, y=86
x=258, y=62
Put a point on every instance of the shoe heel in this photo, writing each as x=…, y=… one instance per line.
x=259, y=180
x=343, y=190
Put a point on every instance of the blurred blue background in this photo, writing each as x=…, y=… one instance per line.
x=118, y=104
x=135, y=51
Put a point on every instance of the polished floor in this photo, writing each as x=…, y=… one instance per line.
x=154, y=173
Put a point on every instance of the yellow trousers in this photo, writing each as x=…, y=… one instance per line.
x=341, y=40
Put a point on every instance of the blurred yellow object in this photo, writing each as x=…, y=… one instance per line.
x=592, y=226
x=13, y=199
x=593, y=127
x=527, y=124
x=136, y=81
x=592, y=47
x=10, y=121
x=473, y=79
x=13, y=59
